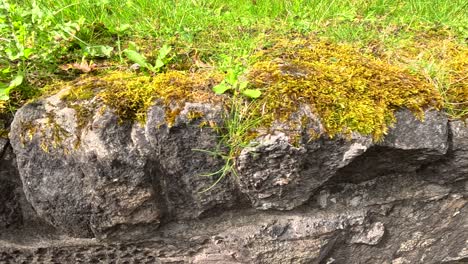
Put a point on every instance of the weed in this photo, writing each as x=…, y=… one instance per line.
x=236, y=133
x=233, y=83
x=162, y=60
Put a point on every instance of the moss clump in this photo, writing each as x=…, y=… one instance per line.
x=130, y=95
x=443, y=60
x=348, y=90
x=457, y=92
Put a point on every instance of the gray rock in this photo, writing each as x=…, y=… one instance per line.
x=454, y=166
x=10, y=188
x=139, y=186
x=428, y=136
x=106, y=178
x=413, y=227
x=179, y=150
x=408, y=146
x=371, y=235
x=275, y=174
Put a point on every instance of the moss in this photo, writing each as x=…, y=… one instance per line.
x=79, y=93
x=457, y=94
x=28, y=131
x=52, y=134
x=131, y=95
x=351, y=92
x=443, y=60
x=194, y=115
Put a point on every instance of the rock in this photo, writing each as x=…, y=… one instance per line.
x=278, y=173
x=179, y=151
x=105, y=178
x=408, y=146
x=428, y=136
x=137, y=188
x=454, y=166
x=10, y=187
x=275, y=174
x=417, y=229
x=371, y=235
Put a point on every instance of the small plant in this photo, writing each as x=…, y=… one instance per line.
x=235, y=135
x=161, y=61
x=233, y=83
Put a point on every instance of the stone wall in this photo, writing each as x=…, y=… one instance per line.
x=112, y=192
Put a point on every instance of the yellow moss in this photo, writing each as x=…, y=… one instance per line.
x=348, y=90
x=193, y=115
x=130, y=95
x=443, y=60
x=457, y=94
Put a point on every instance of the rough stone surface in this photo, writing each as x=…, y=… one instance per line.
x=454, y=166
x=112, y=192
x=108, y=177
x=408, y=146
x=275, y=174
x=179, y=151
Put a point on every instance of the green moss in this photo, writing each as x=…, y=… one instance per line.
x=442, y=60
x=351, y=92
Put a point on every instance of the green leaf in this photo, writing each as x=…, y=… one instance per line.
x=221, y=88
x=122, y=28
x=132, y=46
x=243, y=85
x=159, y=64
x=27, y=52
x=99, y=51
x=231, y=77
x=164, y=51
x=17, y=81
x=137, y=58
x=5, y=71
x=251, y=93
x=4, y=95
x=4, y=91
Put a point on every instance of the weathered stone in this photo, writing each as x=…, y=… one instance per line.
x=340, y=200
x=107, y=177
x=454, y=166
x=428, y=136
x=179, y=150
x=275, y=174
x=417, y=227
x=371, y=235
x=408, y=146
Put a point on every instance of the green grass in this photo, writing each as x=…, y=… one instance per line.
x=234, y=27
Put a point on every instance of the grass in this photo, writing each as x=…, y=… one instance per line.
x=233, y=27
x=224, y=34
